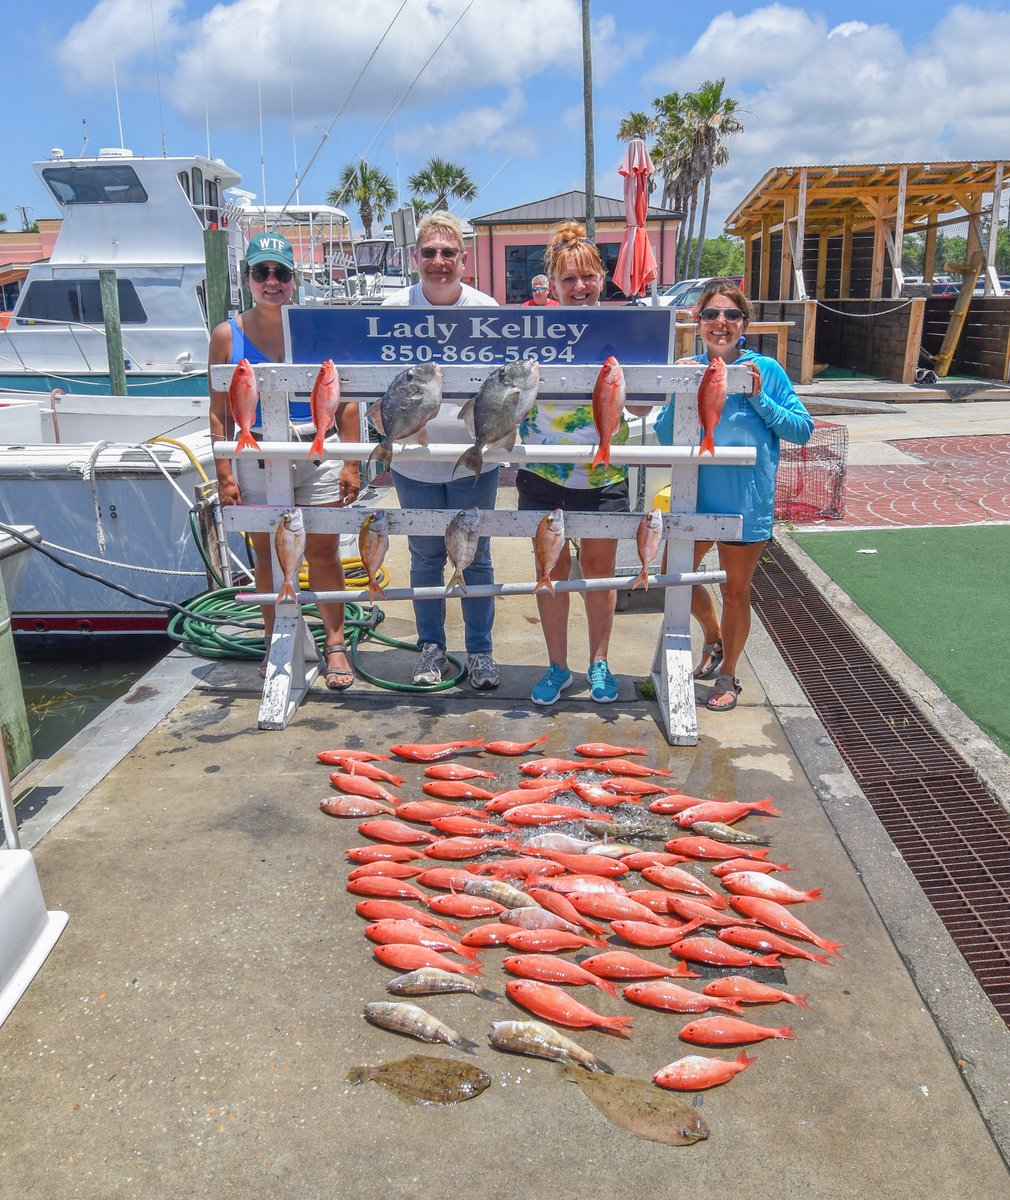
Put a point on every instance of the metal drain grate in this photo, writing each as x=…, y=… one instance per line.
x=952, y=834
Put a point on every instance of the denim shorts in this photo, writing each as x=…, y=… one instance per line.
x=539, y=494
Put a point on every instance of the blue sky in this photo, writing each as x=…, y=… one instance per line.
x=832, y=82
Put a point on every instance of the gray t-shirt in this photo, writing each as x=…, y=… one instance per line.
x=445, y=426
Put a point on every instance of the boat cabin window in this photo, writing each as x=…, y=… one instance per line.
x=184, y=181
x=210, y=194
x=77, y=300
x=95, y=184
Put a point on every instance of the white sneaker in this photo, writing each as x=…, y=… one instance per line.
x=432, y=665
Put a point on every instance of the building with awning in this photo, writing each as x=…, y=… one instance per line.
x=510, y=243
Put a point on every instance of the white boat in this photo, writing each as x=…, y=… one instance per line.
x=145, y=219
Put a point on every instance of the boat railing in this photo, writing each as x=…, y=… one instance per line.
x=185, y=367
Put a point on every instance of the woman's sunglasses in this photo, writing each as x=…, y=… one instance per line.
x=261, y=273
x=713, y=314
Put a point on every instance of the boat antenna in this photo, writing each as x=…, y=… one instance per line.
x=119, y=111
x=259, y=94
x=157, y=76
x=84, y=144
x=410, y=87
x=343, y=104
x=294, y=142
x=206, y=104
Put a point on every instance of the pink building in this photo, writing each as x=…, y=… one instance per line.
x=17, y=253
x=510, y=243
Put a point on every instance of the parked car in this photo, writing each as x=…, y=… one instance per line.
x=946, y=289
x=686, y=293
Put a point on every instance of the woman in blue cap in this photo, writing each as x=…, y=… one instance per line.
x=257, y=334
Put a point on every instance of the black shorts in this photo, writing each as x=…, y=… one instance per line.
x=539, y=494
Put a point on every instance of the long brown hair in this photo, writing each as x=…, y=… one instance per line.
x=729, y=289
x=569, y=248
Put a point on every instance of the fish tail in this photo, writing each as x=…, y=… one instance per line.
x=246, y=441
x=641, y=578
x=618, y=1026
x=604, y=986
x=707, y=443
x=316, y=449
x=487, y=994
x=770, y=960
x=802, y=1001
x=545, y=584
x=683, y=971
x=456, y=577
x=786, y=1031
x=375, y=589
x=831, y=947
x=472, y=459
x=465, y=1044
x=815, y=894
x=765, y=806
x=382, y=455
x=287, y=592
x=744, y=1059
x=602, y=455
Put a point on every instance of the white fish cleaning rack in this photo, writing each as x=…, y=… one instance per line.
x=293, y=661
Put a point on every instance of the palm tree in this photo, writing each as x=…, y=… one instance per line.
x=587, y=122
x=3, y=220
x=713, y=121
x=369, y=188
x=438, y=182
x=673, y=155
x=635, y=125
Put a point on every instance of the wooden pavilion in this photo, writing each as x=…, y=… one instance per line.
x=835, y=233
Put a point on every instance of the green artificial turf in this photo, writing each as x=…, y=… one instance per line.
x=944, y=596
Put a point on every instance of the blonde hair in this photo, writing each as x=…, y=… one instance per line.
x=729, y=289
x=439, y=221
x=569, y=248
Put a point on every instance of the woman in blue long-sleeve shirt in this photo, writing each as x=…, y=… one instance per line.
x=771, y=412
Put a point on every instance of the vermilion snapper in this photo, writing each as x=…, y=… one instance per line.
x=600, y=797
x=548, y=542
x=750, y=991
x=609, y=395
x=606, y=750
x=443, y=879
x=548, y=968
x=426, y=810
x=355, y=766
x=552, y=766
x=353, y=806
x=620, y=964
x=243, y=399
x=648, y=935
x=717, y=954
x=617, y=908
x=753, y=883
x=647, y=537
x=386, y=888
x=382, y=852
x=323, y=404
x=455, y=904
x=587, y=864
x=548, y=814
x=548, y=941
x=456, y=825
x=746, y=864
x=468, y=847
x=703, y=847
x=378, y=909
x=730, y=1031
x=361, y=785
x=409, y=932
x=333, y=756
x=410, y=958
x=694, y=1072
x=726, y=811
x=456, y=789
x=676, y=880
x=392, y=870
x=753, y=938
x=431, y=751
x=562, y=907
x=711, y=399
x=457, y=771
x=621, y=766
x=670, y=997
x=550, y=1002
x=774, y=916
x=511, y=749
x=394, y=831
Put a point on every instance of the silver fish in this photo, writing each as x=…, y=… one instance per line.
x=564, y=843
x=373, y=542
x=537, y=918
x=612, y=849
x=408, y=404
x=414, y=1022
x=541, y=1041
x=726, y=833
x=433, y=981
x=289, y=542
x=493, y=416
x=497, y=890
x=461, y=537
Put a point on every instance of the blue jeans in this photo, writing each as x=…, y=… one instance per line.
x=428, y=557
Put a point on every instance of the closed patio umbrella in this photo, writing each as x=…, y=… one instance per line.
x=636, y=262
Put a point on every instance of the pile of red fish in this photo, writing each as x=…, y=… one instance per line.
x=499, y=863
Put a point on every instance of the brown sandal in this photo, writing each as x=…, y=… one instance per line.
x=338, y=679
x=711, y=660
x=725, y=685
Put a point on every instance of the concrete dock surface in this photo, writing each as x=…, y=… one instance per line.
x=192, y=1031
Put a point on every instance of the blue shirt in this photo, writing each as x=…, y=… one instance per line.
x=241, y=347
x=759, y=421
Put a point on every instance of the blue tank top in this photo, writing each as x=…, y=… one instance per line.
x=299, y=410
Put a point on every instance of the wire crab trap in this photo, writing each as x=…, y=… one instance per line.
x=811, y=479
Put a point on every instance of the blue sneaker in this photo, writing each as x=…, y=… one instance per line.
x=602, y=685
x=549, y=687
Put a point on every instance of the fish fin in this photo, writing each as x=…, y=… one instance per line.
x=472, y=459
x=466, y=1045
x=287, y=592
x=456, y=577
x=421, y=437
x=247, y=442
x=546, y=584
x=707, y=443
x=602, y=455
x=382, y=454
x=641, y=578
x=316, y=449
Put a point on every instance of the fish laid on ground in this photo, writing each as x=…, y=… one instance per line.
x=726, y=833
x=392, y=870
x=443, y=879
x=456, y=824
x=676, y=880
x=361, y=785
x=366, y=854
x=606, y=750
x=552, y=766
x=410, y=958
x=378, y=909
x=731, y=1031
x=641, y=859
x=746, y=864
x=457, y=772
x=548, y=968
x=243, y=398
x=776, y=916
x=711, y=398
x=606, y=907
x=535, y=918
x=541, y=1041
x=408, y=404
x=453, y=904
x=333, y=757
x=323, y=404
x=750, y=991
x=751, y=938
x=671, y=997
x=694, y=1073
x=414, y=1023
x=600, y=796
x=425, y=810
x=431, y=751
x=432, y=981
x=562, y=907
x=548, y=941
x=394, y=831
x=635, y=1106
x=587, y=864
x=289, y=542
x=622, y=766
x=354, y=766
x=550, y=1002
x=492, y=934
x=624, y=785
x=391, y=931
x=700, y=911
x=557, y=841
x=510, y=749
x=385, y=888
x=619, y=964
x=492, y=417
x=544, y=814
x=468, y=847
x=726, y=811
x=423, y=1079
x=609, y=394
x=461, y=537
x=648, y=537
x=522, y=867
x=647, y=934
x=754, y=883
x=456, y=789
x=586, y=884
x=705, y=847
x=373, y=542
x=714, y=953
x=354, y=806
x=548, y=542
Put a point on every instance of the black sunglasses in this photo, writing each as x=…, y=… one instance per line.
x=261, y=273
x=429, y=252
x=713, y=314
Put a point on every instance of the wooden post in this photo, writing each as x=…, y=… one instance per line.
x=113, y=331
x=807, y=345
x=929, y=256
x=764, y=270
x=786, y=260
x=801, y=233
x=913, y=340
x=897, y=271
x=822, y=266
x=215, y=250
x=969, y=274
x=877, y=269
x=845, y=282
x=992, y=280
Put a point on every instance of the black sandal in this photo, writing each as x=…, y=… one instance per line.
x=725, y=685
x=338, y=679
x=713, y=652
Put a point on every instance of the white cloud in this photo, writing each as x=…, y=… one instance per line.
x=120, y=32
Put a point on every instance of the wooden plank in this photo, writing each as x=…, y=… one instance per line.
x=807, y=345
x=897, y=272
x=800, y=234
x=913, y=340
x=970, y=273
x=292, y=665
